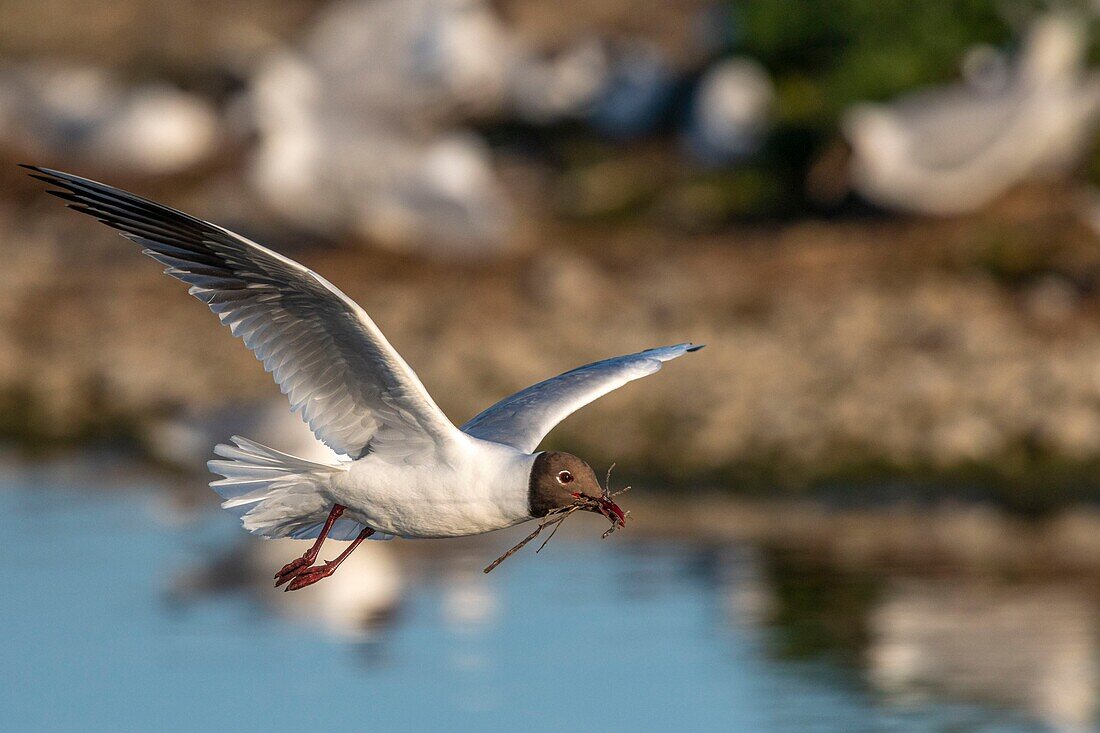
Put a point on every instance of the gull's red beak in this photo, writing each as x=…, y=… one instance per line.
x=612, y=511
x=604, y=506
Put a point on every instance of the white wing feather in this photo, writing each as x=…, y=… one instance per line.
x=326, y=354
x=524, y=419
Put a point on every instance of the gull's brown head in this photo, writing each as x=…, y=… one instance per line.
x=560, y=480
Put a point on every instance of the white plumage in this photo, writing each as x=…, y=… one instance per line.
x=524, y=419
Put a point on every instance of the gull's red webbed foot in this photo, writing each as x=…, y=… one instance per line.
x=293, y=567
x=309, y=576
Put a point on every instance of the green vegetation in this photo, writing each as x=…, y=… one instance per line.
x=845, y=51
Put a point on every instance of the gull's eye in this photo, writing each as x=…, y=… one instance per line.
x=564, y=477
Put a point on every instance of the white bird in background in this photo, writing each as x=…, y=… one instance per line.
x=413, y=473
x=361, y=123
x=953, y=149
x=730, y=111
x=87, y=114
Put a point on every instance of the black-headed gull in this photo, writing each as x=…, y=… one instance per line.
x=412, y=473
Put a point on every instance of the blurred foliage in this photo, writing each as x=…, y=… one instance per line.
x=26, y=422
x=845, y=51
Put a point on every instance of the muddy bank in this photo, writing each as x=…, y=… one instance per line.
x=939, y=538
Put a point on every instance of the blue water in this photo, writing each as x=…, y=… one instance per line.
x=613, y=636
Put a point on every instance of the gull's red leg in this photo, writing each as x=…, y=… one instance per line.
x=310, y=556
x=309, y=576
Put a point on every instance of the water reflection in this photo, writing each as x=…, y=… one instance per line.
x=125, y=623
x=1027, y=646
x=357, y=605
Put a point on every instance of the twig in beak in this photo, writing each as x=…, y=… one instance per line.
x=555, y=517
x=553, y=532
x=607, y=532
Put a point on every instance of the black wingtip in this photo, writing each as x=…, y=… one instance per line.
x=46, y=179
x=36, y=169
x=46, y=176
x=49, y=175
x=695, y=347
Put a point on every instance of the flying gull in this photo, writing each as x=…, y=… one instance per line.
x=412, y=473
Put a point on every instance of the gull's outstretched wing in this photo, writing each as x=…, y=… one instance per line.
x=355, y=391
x=524, y=419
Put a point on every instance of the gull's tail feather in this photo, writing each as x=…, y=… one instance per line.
x=275, y=494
